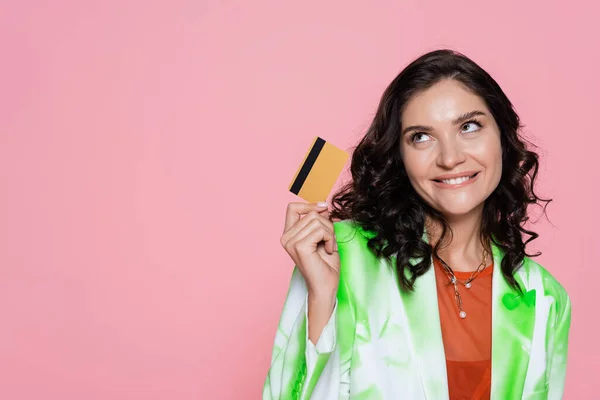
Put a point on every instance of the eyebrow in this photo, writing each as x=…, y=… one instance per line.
x=456, y=121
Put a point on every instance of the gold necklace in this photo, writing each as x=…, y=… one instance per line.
x=467, y=283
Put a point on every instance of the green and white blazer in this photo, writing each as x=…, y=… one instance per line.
x=385, y=343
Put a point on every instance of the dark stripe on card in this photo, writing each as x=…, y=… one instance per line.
x=307, y=166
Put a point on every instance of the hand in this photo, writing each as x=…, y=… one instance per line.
x=309, y=239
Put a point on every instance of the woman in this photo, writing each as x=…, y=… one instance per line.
x=422, y=288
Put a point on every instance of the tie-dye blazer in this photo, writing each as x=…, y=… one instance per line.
x=387, y=343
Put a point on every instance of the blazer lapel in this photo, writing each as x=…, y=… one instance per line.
x=423, y=321
x=513, y=318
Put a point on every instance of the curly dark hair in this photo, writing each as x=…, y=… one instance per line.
x=381, y=199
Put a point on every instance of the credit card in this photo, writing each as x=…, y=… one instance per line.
x=319, y=171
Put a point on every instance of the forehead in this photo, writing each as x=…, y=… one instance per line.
x=442, y=102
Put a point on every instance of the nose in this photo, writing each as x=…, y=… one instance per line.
x=450, y=154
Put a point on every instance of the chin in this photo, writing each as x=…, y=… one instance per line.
x=458, y=210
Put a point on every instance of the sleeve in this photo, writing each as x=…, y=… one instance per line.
x=299, y=369
x=558, y=353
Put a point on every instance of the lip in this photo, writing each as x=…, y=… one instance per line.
x=454, y=176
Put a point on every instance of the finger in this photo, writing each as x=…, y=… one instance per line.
x=314, y=225
x=324, y=213
x=307, y=227
x=310, y=242
x=290, y=239
x=303, y=223
x=295, y=210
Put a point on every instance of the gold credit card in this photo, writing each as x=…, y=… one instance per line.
x=319, y=171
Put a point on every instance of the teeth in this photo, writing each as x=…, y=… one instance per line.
x=456, y=181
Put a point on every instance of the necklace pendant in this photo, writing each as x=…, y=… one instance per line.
x=462, y=314
x=468, y=285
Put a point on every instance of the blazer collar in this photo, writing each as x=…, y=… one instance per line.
x=513, y=320
x=423, y=321
x=513, y=317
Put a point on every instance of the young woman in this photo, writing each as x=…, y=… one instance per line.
x=422, y=288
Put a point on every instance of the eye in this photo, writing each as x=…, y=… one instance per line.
x=419, y=137
x=472, y=123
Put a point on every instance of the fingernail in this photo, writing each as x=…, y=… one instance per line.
x=322, y=204
x=335, y=246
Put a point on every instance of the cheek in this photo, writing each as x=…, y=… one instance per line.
x=416, y=165
x=497, y=174
x=488, y=151
x=491, y=156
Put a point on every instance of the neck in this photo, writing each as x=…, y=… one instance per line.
x=462, y=248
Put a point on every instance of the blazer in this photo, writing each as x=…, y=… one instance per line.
x=387, y=343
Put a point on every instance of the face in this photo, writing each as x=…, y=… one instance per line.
x=451, y=149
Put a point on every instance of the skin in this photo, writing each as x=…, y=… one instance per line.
x=308, y=237
x=446, y=146
x=452, y=147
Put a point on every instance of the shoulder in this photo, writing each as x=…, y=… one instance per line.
x=349, y=230
x=351, y=236
x=355, y=255
x=534, y=275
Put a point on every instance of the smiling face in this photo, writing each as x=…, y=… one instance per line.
x=451, y=148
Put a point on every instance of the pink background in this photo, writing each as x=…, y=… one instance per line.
x=146, y=148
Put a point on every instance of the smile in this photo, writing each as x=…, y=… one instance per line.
x=456, y=182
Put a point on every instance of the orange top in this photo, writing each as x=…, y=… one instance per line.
x=468, y=341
